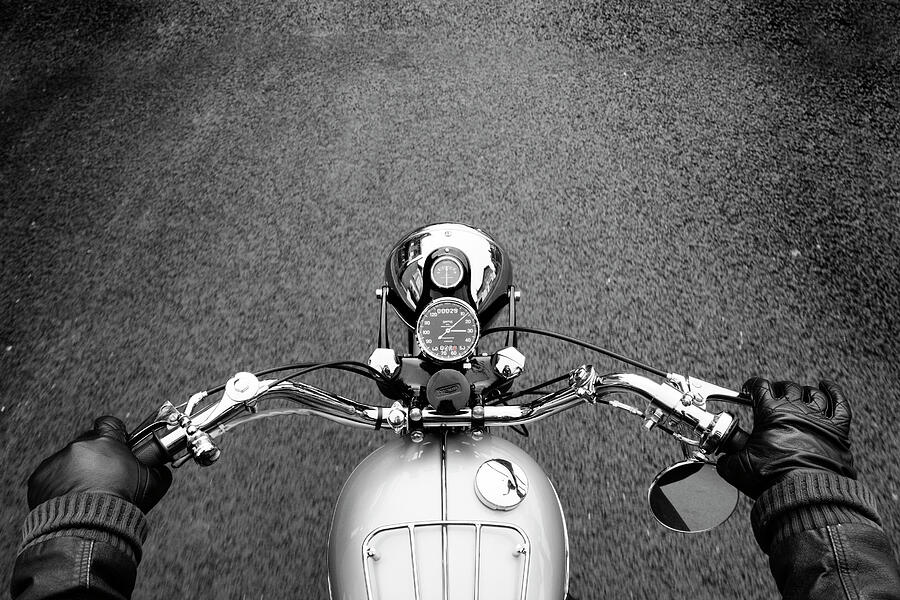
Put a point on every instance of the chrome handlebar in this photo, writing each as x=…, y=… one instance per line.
x=678, y=405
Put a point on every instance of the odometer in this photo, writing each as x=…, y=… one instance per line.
x=447, y=330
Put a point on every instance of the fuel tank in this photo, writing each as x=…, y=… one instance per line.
x=449, y=518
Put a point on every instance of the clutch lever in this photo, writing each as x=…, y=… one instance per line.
x=698, y=392
x=680, y=401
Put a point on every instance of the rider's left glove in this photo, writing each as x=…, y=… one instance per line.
x=99, y=461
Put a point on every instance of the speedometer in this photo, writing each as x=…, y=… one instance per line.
x=447, y=330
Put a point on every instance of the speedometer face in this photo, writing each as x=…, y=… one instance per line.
x=447, y=330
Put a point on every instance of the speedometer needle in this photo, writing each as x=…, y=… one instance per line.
x=449, y=329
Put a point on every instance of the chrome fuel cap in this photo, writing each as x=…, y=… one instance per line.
x=501, y=484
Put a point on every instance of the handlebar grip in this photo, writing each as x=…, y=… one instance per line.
x=735, y=442
x=151, y=452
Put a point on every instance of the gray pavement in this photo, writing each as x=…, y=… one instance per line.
x=191, y=189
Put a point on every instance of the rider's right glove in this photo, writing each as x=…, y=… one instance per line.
x=794, y=428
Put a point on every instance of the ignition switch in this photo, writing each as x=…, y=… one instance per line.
x=508, y=362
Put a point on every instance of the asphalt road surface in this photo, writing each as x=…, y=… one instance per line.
x=195, y=188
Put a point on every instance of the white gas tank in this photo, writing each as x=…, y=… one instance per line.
x=449, y=518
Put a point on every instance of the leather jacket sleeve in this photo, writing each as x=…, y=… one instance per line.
x=824, y=539
x=84, y=545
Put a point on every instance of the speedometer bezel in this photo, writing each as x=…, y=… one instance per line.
x=470, y=349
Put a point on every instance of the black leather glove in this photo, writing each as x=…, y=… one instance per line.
x=99, y=461
x=794, y=427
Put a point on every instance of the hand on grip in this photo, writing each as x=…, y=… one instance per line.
x=151, y=452
x=794, y=428
x=735, y=442
x=100, y=461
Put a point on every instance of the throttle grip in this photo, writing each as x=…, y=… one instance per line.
x=735, y=441
x=151, y=452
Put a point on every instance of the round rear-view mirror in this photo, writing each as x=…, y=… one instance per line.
x=691, y=497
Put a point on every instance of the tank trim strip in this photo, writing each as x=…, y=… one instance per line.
x=444, y=476
x=445, y=550
x=478, y=562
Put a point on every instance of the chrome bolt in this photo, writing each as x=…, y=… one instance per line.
x=395, y=418
x=521, y=550
x=416, y=437
x=478, y=412
x=415, y=414
x=241, y=384
x=378, y=293
x=653, y=418
x=372, y=553
x=477, y=435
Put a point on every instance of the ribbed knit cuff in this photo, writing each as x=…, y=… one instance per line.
x=805, y=500
x=94, y=516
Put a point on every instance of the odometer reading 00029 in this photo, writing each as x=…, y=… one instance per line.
x=447, y=330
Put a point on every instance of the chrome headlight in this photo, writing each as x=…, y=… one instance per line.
x=447, y=259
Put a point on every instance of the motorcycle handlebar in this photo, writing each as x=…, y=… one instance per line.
x=678, y=402
x=151, y=452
